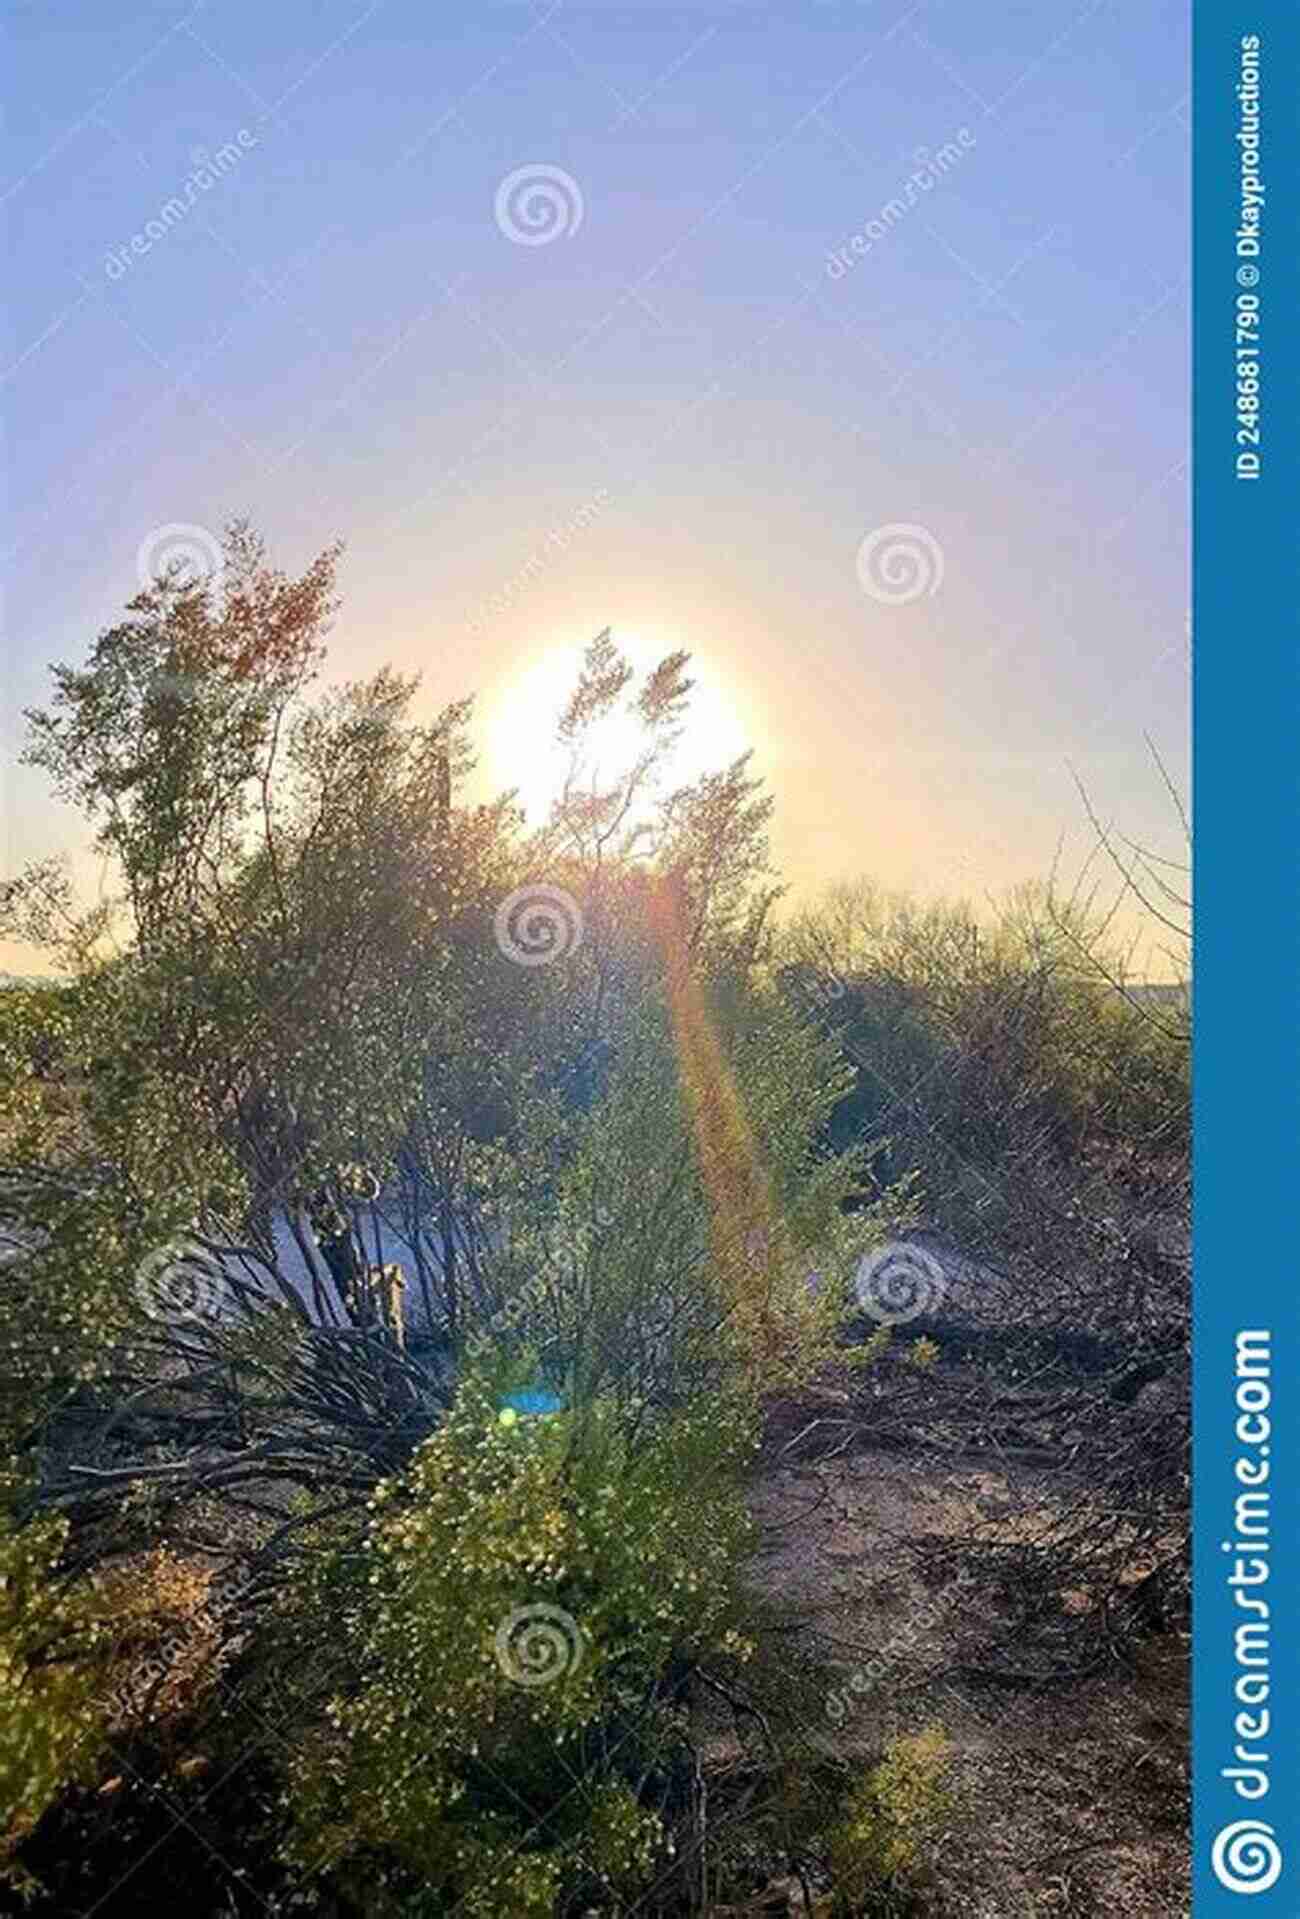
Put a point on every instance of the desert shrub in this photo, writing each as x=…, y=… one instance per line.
x=1049, y=1139
x=52, y=1722
x=165, y=1637
x=511, y=1628
x=890, y=1816
x=977, y=1039
x=87, y=1661
x=633, y=1270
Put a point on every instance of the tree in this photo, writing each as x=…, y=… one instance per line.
x=172, y=730
x=340, y=1112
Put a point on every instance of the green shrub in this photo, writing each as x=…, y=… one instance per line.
x=51, y=1720
x=635, y=1268
x=505, y=1630
x=889, y=1817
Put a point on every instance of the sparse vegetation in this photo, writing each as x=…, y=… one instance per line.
x=433, y=1248
x=891, y=1813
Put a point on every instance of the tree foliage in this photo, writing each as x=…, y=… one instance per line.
x=363, y=1118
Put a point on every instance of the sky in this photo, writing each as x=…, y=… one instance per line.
x=842, y=343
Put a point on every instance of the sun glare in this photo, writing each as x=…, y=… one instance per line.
x=526, y=755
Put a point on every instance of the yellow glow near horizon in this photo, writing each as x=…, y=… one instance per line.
x=520, y=724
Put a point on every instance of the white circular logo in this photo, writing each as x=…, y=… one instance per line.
x=1245, y=1856
x=538, y=924
x=899, y=1282
x=193, y=552
x=899, y=563
x=535, y=1645
x=538, y=204
x=176, y=1283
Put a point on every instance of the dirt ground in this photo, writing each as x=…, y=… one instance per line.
x=1068, y=1798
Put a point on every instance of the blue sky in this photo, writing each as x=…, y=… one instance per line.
x=338, y=336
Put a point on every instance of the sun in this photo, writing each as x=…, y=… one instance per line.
x=525, y=754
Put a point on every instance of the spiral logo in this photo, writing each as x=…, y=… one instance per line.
x=175, y=1283
x=191, y=551
x=536, y=1645
x=537, y=204
x=538, y=924
x=900, y=563
x=1245, y=1856
x=899, y=1282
